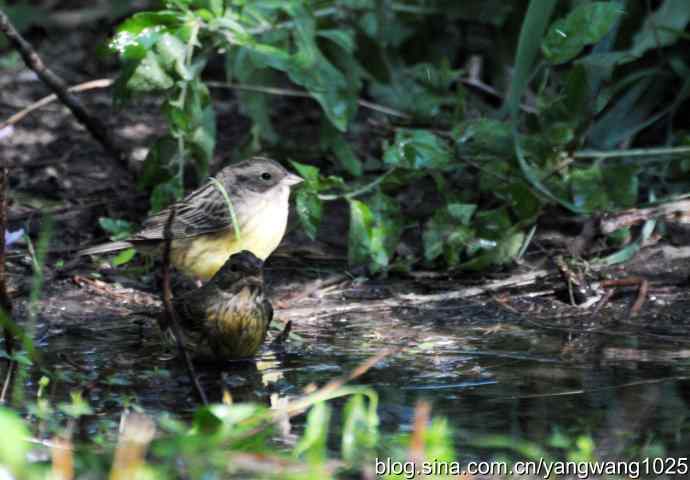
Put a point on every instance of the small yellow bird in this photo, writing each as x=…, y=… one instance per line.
x=228, y=317
x=203, y=232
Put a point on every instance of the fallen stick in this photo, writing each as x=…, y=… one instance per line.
x=170, y=310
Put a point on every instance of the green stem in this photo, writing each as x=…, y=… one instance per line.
x=633, y=152
x=356, y=193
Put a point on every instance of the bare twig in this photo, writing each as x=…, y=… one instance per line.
x=611, y=223
x=82, y=87
x=5, y=302
x=8, y=381
x=170, y=311
x=59, y=87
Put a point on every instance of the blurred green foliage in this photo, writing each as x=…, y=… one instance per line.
x=237, y=441
x=461, y=171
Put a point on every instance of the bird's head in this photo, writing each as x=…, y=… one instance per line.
x=242, y=268
x=260, y=174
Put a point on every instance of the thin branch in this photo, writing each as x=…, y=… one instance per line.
x=170, y=310
x=59, y=87
x=289, y=92
x=5, y=301
x=360, y=191
x=91, y=85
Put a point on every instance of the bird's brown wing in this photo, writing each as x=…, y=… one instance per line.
x=202, y=211
x=191, y=308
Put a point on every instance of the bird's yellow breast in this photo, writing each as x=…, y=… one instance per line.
x=260, y=233
x=236, y=327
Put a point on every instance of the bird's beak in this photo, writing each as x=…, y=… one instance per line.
x=291, y=179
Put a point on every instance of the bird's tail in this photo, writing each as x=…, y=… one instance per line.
x=105, y=248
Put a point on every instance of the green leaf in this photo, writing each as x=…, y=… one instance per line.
x=149, y=75
x=203, y=140
x=344, y=38
x=309, y=173
x=77, y=407
x=15, y=446
x=172, y=53
x=308, y=206
x=585, y=25
x=117, y=228
x=484, y=138
x=166, y=193
x=334, y=140
x=125, y=256
x=448, y=232
x=360, y=433
x=531, y=33
x=313, y=445
x=359, y=236
x=417, y=149
x=159, y=163
x=438, y=441
x=587, y=189
x=375, y=230
x=662, y=28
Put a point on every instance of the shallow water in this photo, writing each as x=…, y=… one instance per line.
x=490, y=370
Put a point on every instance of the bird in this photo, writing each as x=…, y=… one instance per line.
x=228, y=316
x=250, y=198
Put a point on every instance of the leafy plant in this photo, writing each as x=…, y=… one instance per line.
x=586, y=81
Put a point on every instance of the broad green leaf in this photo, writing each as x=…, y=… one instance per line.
x=149, y=75
x=166, y=193
x=359, y=236
x=309, y=173
x=448, y=232
x=15, y=446
x=375, y=229
x=125, y=256
x=484, y=138
x=360, y=433
x=172, y=53
x=158, y=162
x=203, y=140
x=308, y=206
x=417, y=149
x=585, y=25
x=313, y=445
x=334, y=140
x=588, y=189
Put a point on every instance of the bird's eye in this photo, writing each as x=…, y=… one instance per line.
x=265, y=176
x=233, y=268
